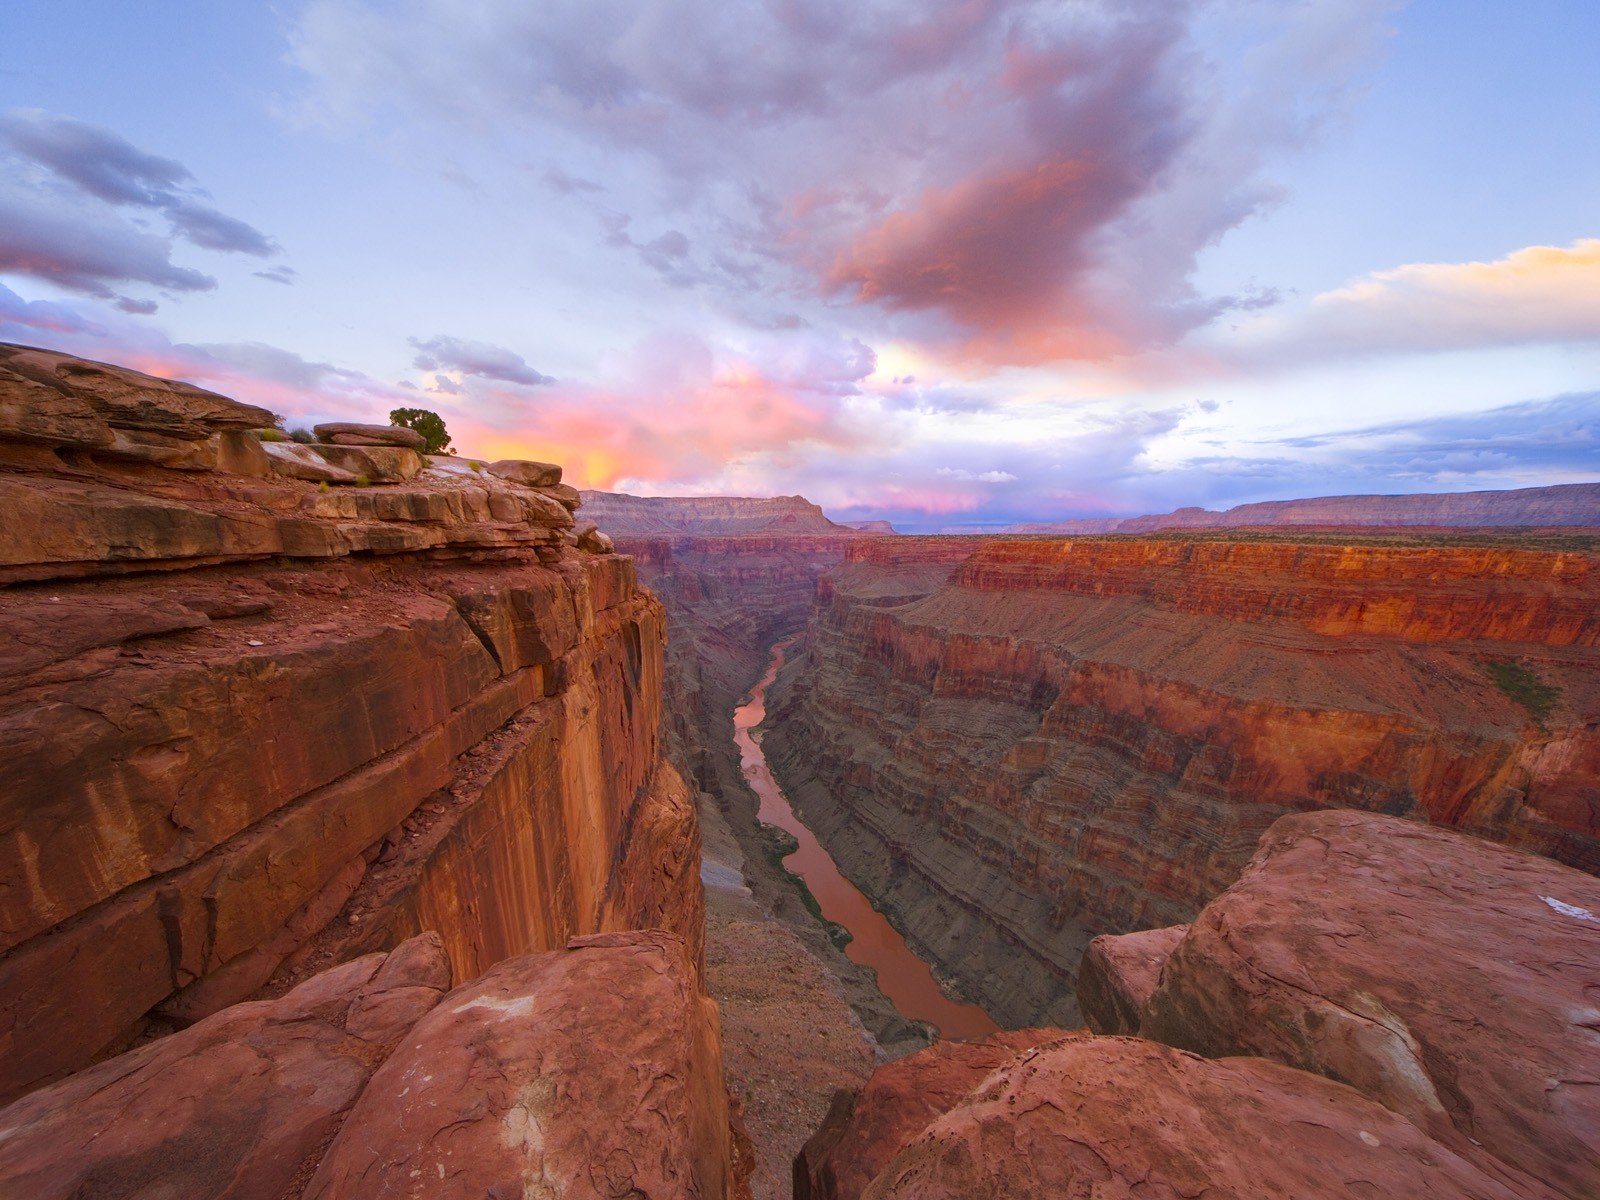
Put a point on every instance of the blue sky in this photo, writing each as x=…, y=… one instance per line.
x=985, y=261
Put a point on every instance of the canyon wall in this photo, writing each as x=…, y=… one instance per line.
x=253, y=725
x=1015, y=745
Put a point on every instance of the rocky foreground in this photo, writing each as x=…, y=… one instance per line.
x=1385, y=1009
x=1016, y=745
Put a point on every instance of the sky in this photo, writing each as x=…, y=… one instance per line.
x=956, y=264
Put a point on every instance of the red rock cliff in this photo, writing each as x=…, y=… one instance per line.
x=1017, y=745
x=251, y=724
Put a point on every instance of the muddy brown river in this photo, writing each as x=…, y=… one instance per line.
x=903, y=977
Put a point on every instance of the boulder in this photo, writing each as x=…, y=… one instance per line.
x=591, y=539
x=237, y=1106
x=1450, y=979
x=1119, y=973
x=294, y=461
x=343, y=433
x=527, y=473
x=1121, y=1117
x=587, y=1072
x=565, y=495
x=380, y=464
x=864, y=1130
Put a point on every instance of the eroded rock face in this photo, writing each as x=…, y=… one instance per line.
x=864, y=1131
x=1449, y=979
x=592, y=1071
x=1121, y=1117
x=238, y=1106
x=1015, y=746
x=352, y=715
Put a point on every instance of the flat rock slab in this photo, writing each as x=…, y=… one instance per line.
x=344, y=433
x=294, y=461
x=588, y=1072
x=528, y=473
x=380, y=464
x=1450, y=979
x=1119, y=974
x=1119, y=1118
x=235, y=1106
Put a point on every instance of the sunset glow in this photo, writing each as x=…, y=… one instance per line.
x=1009, y=261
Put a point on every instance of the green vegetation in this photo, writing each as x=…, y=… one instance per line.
x=476, y=465
x=323, y=486
x=778, y=844
x=1523, y=686
x=429, y=424
x=363, y=481
x=272, y=435
x=304, y=436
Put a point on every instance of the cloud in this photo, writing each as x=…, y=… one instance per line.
x=63, y=183
x=278, y=274
x=1019, y=181
x=482, y=359
x=1540, y=294
x=68, y=243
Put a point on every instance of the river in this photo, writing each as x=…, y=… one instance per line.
x=903, y=977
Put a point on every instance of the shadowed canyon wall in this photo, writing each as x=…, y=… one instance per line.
x=1014, y=745
x=251, y=725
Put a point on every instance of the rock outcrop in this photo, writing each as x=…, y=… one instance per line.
x=864, y=1130
x=1451, y=980
x=1016, y=745
x=1564, y=504
x=590, y=1072
x=253, y=725
x=1119, y=974
x=1121, y=1117
x=240, y=1105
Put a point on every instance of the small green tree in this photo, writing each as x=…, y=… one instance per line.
x=429, y=424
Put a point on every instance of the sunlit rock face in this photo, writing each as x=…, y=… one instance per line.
x=254, y=723
x=1016, y=745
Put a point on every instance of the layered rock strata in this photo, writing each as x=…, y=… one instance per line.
x=1014, y=746
x=252, y=725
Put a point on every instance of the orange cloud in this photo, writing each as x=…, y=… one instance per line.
x=1540, y=294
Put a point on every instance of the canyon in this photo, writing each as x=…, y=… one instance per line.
x=1016, y=745
x=377, y=825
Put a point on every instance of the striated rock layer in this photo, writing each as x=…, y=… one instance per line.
x=252, y=724
x=1014, y=746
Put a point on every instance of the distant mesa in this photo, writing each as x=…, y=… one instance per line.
x=643, y=516
x=1565, y=504
x=871, y=526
